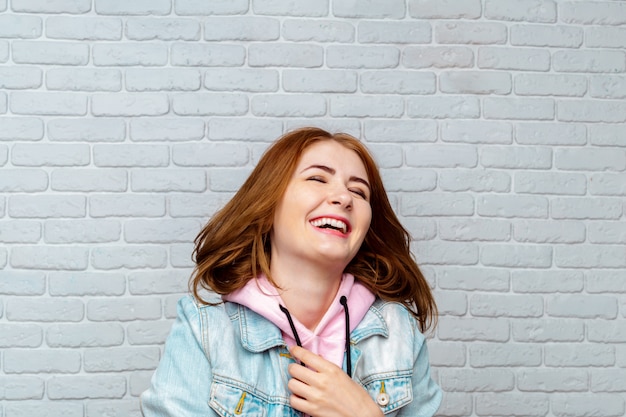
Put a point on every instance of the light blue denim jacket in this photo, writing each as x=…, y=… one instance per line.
x=227, y=360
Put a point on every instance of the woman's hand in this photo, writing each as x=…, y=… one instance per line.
x=326, y=390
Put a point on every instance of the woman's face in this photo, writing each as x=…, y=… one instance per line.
x=325, y=212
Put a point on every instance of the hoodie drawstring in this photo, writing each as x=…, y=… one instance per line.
x=344, y=302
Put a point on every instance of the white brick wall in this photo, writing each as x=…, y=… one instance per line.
x=499, y=125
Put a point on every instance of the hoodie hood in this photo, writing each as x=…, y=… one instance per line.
x=328, y=339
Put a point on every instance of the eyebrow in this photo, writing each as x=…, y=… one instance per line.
x=332, y=171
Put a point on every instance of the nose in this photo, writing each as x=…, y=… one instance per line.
x=341, y=197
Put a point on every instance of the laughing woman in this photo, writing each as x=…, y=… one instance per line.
x=306, y=299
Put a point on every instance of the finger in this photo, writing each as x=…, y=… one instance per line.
x=312, y=360
x=301, y=373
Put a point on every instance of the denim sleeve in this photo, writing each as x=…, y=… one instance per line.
x=180, y=385
x=426, y=393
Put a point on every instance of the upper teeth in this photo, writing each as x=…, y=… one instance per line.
x=337, y=224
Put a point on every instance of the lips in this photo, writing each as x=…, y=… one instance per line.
x=333, y=223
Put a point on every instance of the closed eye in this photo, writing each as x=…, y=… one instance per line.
x=317, y=178
x=359, y=192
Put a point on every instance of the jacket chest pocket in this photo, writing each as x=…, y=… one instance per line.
x=390, y=393
x=233, y=399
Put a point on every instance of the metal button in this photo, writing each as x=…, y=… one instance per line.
x=382, y=399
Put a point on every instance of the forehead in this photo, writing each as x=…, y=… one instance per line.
x=330, y=152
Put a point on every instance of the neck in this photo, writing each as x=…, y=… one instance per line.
x=300, y=282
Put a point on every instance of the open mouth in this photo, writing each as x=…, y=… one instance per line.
x=329, y=223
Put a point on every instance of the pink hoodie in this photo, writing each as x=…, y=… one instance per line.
x=329, y=337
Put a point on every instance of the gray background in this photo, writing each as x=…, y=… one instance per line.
x=498, y=125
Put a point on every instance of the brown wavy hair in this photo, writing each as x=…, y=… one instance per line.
x=235, y=244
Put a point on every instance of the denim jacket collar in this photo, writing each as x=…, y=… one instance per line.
x=259, y=334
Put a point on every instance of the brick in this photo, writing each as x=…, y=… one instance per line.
x=504, y=355
x=398, y=82
x=546, y=36
x=394, y=9
x=477, y=131
x=449, y=204
x=590, y=256
x=21, y=388
x=586, y=208
x=81, y=387
x=86, y=283
x=552, y=380
x=591, y=111
x=130, y=54
x=607, y=184
x=540, y=231
x=476, y=380
x=509, y=206
x=350, y=126
x=476, y=329
x=516, y=256
x=124, y=309
x=474, y=230
x=89, y=180
x=593, y=13
x=559, y=134
x=607, y=332
x=48, y=408
x=607, y=86
x=521, y=10
x=456, y=403
x=166, y=129
x=400, y=130
x=51, y=361
x=386, y=156
x=146, y=283
x=161, y=231
x=581, y=306
x=21, y=129
x=36, y=155
x=51, y=6
x=286, y=55
x=50, y=53
x=87, y=130
x=288, y=105
x=606, y=135
x=16, y=335
x=518, y=59
x=420, y=229
x=475, y=82
x=46, y=206
x=517, y=157
x=605, y=37
x=158, y=180
x=548, y=330
x=84, y=28
x=228, y=179
x=126, y=205
x=20, y=231
x=241, y=28
x=313, y=8
x=201, y=7
x=20, y=26
x=82, y=231
x=128, y=256
x=235, y=79
x=210, y=55
x=203, y=205
x=121, y=104
x=121, y=359
x=550, y=85
x=579, y=355
x=362, y=57
x=130, y=155
x=318, y=81
x=4, y=51
x=512, y=404
x=317, y=31
x=151, y=333
x=115, y=408
x=393, y=32
x=446, y=253
x=366, y=106
x=445, y=9
x=437, y=57
x=607, y=380
x=239, y=129
x=550, y=183
x=459, y=107
x=446, y=354
x=137, y=7
x=589, y=61
x=22, y=283
x=139, y=382
x=441, y=156
x=470, y=33
x=604, y=281
x=592, y=159
x=23, y=180
x=180, y=255
x=167, y=29
x=83, y=79
x=586, y=404
x=404, y=179
x=163, y=80
x=478, y=181
x=45, y=310
x=209, y=104
x=49, y=104
x=77, y=335
x=538, y=282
